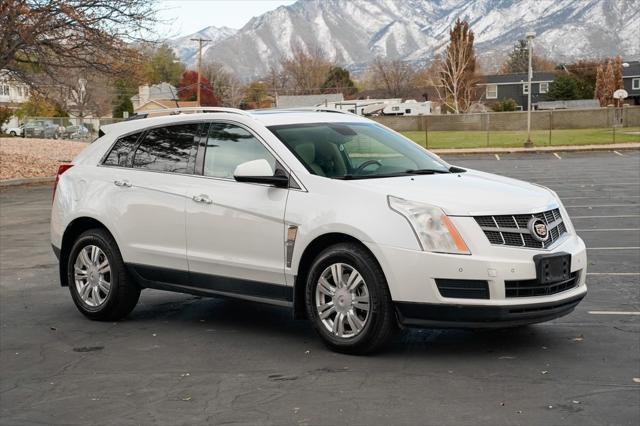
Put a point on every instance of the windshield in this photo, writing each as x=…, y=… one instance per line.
x=355, y=151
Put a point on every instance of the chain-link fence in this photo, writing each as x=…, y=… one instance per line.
x=71, y=128
x=509, y=129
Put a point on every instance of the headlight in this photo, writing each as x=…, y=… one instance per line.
x=434, y=230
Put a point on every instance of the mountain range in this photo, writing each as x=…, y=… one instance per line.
x=352, y=33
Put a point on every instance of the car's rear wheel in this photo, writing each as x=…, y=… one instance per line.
x=97, y=277
x=348, y=300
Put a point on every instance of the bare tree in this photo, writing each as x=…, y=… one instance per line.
x=306, y=70
x=457, y=85
x=226, y=86
x=396, y=77
x=38, y=38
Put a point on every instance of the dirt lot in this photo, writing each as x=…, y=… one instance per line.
x=25, y=158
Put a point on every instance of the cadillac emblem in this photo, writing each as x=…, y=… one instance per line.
x=538, y=229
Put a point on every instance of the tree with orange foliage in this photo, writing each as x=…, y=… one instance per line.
x=188, y=89
x=608, y=80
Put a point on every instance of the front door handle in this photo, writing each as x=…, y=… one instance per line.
x=202, y=198
x=123, y=183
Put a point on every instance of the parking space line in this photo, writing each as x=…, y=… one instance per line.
x=617, y=153
x=557, y=156
x=594, y=184
x=497, y=157
x=603, y=217
x=592, y=198
x=607, y=229
x=605, y=205
x=614, y=312
x=613, y=248
x=624, y=274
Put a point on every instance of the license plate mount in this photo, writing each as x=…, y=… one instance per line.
x=552, y=268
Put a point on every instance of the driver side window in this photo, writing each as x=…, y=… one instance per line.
x=228, y=146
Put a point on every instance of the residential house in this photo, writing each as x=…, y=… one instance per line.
x=158, y=96
x=631, y=80
x=12, y=93
x=499, y=87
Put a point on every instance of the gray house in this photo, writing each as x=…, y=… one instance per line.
x=499, y=87
x=631, y=80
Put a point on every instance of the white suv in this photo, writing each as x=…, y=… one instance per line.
x=340, y=218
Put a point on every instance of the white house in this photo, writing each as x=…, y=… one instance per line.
x=12, y=93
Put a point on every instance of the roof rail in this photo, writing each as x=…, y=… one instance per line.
x=179, y=110
x=319, y=109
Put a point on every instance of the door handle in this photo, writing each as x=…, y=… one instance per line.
x=123, y=183
x=202, y=198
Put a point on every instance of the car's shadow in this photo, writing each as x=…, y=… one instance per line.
x=255, y=320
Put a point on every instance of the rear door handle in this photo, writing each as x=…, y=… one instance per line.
x=123, y=183
x=202, y=198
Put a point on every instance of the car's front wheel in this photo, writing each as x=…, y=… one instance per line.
x=348, y=300
x=98, y=281
x=12, y=133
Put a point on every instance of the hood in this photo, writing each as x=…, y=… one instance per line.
x=472, y=193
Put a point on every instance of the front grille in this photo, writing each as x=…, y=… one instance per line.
x=463, y=289
x=530, y=288
x=512, y=230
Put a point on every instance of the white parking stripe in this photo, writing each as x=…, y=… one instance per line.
x=602, y=217
x=557, y=156
x=613, y=248
x=607, y=229
x=596, y=198
x=614, y=312
x=617, y=153
x=628, y=274
x=497, y=157
x=605, y=205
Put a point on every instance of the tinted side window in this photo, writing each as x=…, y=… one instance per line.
x=167, y=149
x=229, y=145
x=122, y=151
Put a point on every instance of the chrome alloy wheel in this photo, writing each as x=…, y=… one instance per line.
x=342, y=300
x=92, y=274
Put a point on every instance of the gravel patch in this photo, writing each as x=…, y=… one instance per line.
x=25, y=157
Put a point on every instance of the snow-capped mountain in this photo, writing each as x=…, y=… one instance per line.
x=187, y=50
x=352, y=32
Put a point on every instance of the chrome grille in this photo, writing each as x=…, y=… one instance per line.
x=511, y=230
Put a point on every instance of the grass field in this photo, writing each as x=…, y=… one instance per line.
x=479, y=139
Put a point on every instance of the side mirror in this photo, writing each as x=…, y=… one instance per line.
x=259, y=171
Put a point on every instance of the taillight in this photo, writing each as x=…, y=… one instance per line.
x=61, y=169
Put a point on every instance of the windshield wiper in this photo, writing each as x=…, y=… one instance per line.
x=425, y=171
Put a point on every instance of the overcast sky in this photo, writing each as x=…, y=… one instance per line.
x=189, y=16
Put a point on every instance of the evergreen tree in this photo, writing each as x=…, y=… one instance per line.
x=563, y=88
x=339, y=81
x=122, y=102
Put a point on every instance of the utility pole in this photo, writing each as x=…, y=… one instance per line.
x=200, y=41
x=529, y=143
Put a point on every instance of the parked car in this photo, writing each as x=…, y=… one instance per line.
x=345, y=221
x=74, y=132
x=14, y=131
x=40, y=129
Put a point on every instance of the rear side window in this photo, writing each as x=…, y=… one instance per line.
x=122, y=151
x=167, y=149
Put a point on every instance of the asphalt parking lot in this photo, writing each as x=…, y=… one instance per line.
x=180, y=359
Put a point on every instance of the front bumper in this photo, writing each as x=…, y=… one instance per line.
x=466, y=316
x=411, y=276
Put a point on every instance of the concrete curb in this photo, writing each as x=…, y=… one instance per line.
x=26, y=181
x=517, y=150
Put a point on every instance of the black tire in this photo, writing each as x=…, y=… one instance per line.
x=381, y=323
x=12, y=133
x=124, y=292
